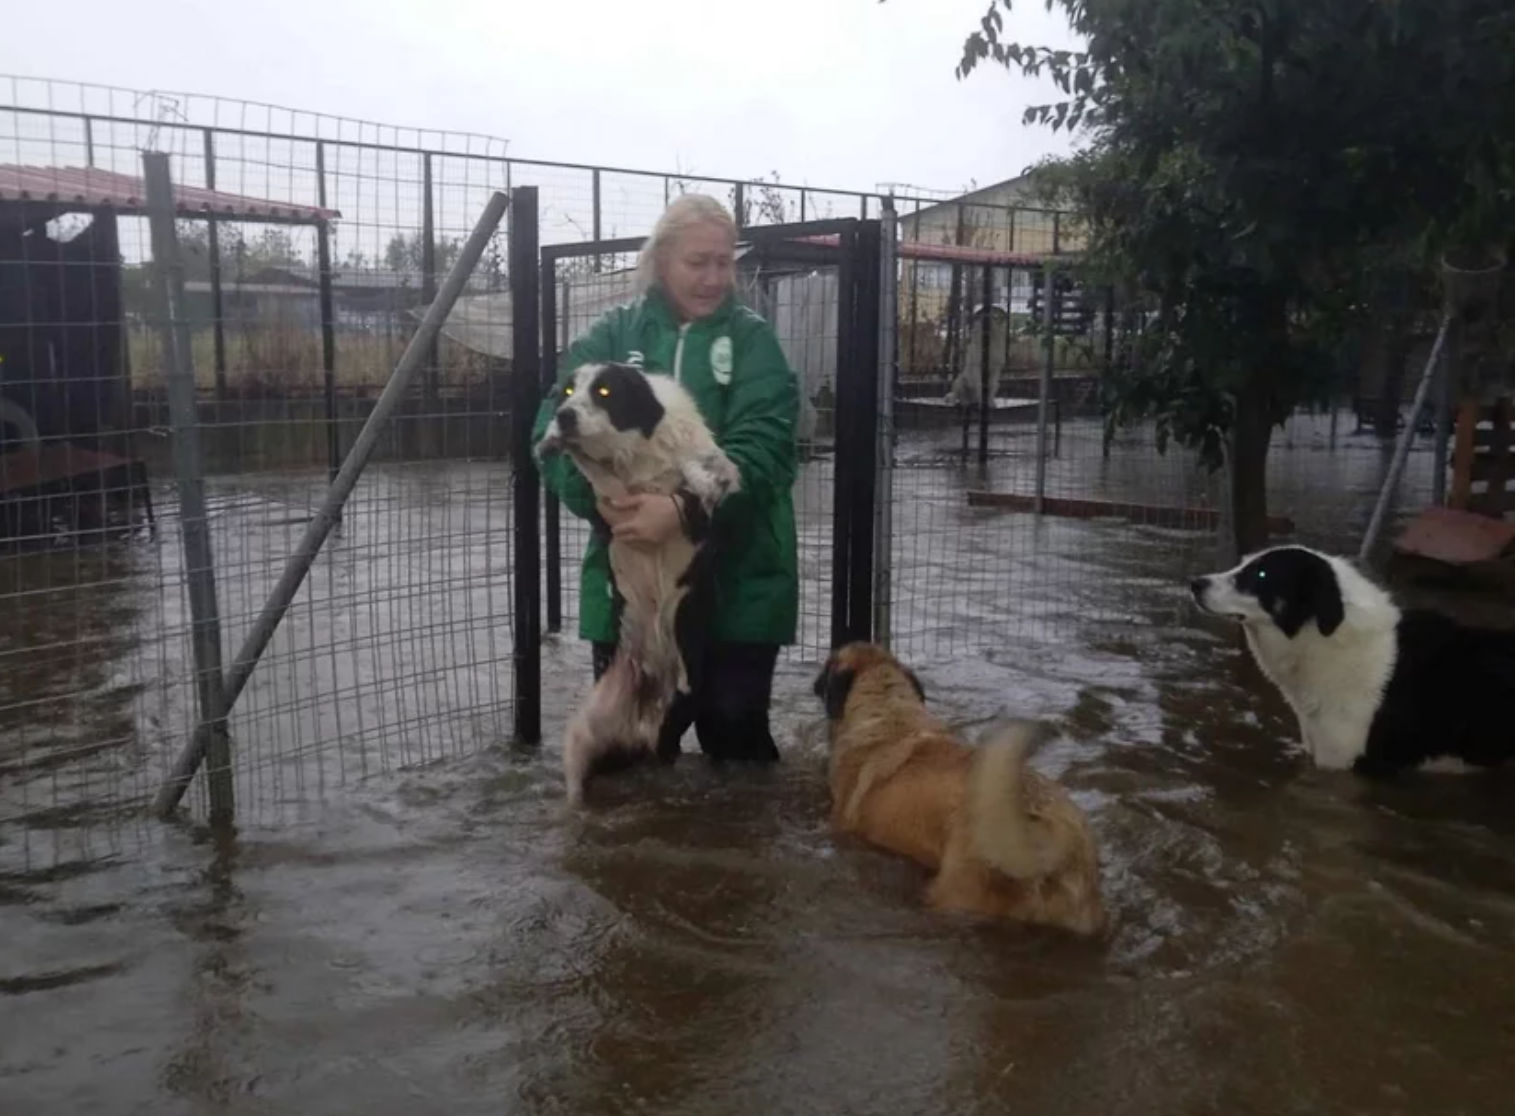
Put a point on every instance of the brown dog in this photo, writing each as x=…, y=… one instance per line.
x=1002, y=839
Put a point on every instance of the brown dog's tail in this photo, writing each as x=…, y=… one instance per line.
x=1007, y=832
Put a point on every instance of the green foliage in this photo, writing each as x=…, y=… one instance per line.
x=1261, y=173
x=403, y=254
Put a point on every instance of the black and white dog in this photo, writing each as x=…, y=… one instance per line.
x=1375, y=688
x=630, y=433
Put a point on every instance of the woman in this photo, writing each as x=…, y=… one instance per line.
x=688, y=323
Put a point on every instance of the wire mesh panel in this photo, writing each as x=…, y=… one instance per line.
x=310, y=253
x=396, y=650
x=973, y=566
x=798, y=296
x=801, y=302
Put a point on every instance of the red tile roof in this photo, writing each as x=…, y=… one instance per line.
x=100, y=188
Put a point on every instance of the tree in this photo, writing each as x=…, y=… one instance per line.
x=1257, y=173
x=403, y=254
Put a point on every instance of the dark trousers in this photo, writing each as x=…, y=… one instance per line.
x=730, y=706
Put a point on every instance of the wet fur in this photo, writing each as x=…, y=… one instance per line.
x=1001, y=839
x=660, y=446
x=1376, y=688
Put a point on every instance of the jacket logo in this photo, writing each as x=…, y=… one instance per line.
x=721, y=359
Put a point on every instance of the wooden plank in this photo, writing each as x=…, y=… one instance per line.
x=1461, y=460
x=1154, y=514
x=1496, y=464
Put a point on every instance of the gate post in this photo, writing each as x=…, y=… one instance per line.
x=854, y=477
x=522, y=272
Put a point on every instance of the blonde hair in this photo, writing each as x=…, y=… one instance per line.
x=683, y=213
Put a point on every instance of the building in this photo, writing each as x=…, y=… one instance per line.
x=1003, y=217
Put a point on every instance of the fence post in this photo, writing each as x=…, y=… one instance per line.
x=859, y=396
x=1405, y=442
x=324, y=296
x=205, y=629
x=338, y=491
x=214, y=263
x=1046, y=373
x=548, y=373
x=1444, y=375
x=596, y=215
x=885, y=432
x=987, y=394
x=522, y=266
x=844, y=421
x=431, y=385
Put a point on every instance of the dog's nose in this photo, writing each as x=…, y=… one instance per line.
x=1199, y=586
x=567, y=419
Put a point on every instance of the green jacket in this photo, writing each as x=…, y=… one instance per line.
x=750, y=403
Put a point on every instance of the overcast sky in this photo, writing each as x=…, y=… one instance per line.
x=841, y=93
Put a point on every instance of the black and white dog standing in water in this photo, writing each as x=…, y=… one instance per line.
x=632, y=433
x=1375, y=688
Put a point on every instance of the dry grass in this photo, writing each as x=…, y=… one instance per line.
x=283, y=358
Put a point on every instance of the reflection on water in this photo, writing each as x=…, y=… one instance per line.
x=444, y=936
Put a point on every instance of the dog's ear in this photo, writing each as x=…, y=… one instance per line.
x=917, y=684
x=1328, y=603
x=833, y=685
x=628, y=398
x=1314, y=596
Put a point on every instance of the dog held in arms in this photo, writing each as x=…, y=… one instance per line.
x=1002, y=840
x=1376, y=688
x=633, y=433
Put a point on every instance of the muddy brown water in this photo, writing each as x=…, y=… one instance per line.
x=431, y=931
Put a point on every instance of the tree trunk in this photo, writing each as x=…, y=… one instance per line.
x=1393, y=354
x=1247, y=464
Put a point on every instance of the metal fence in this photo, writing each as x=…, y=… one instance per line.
x=311, y=248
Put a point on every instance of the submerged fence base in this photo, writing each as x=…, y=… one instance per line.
x=326, y=516
x=1156, y=515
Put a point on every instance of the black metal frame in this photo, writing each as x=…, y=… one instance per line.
x=855, y=417
x=856, y=250
x=522, y=264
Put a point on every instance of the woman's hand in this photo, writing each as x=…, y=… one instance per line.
x=645, y=520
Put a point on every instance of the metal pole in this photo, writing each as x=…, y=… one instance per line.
x=1442, y=419
x=214, y=263
x=844, y=423
x=324, y=299
x=89, y=142
x=429, y=281
x=596, y=216
x=912, y=299
x=885, y=431
x=986, y=362
x=553, y=593
x=205, y=629
x=867, y=300
x=338, y=492
x=1405, y=441
x=738, y=204
x=1046, y=374
x=527, y=632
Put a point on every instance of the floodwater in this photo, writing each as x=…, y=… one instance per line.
x=409, y=921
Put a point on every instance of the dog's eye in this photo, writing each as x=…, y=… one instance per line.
x=1260, y=575
x=603, y=391
x=569, y=389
